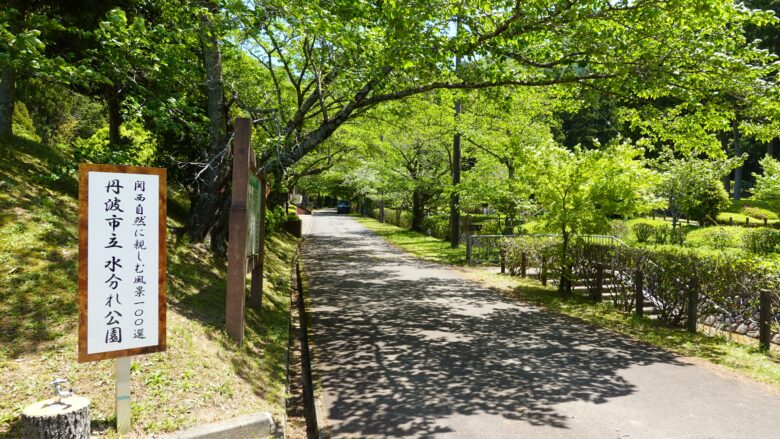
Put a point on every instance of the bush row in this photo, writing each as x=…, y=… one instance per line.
x=660, y=234
x=727, y=286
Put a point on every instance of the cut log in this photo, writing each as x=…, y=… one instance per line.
x=51, y=420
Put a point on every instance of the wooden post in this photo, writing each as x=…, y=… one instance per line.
x=747, y=220
x=123, y=395
x=543, y=274
x=731, y=220
x=468, y=248
x=523, y=264
x=693, y=304
x=503, y=261
x=765, y=222
x=639, y=295
x=599, y=283
x=764, y=328
x=382, y=210
x=237, y=229
x=256, y=296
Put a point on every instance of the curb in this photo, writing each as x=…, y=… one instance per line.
x=248, y=426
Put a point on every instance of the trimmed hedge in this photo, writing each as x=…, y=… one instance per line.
x=727, y=286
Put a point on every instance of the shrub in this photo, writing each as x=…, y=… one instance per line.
x=538, y=250
x=711, y=200
x=761, y=241
x=721, y=238
x=677, y=236
x=138, y=150
x=758, y=213
x=767, y=185
x=661, y=233
x=436, y=225
x=643, y=231
x=23, y=124
x=274, y=218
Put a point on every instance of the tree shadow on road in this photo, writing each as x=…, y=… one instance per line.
x=400, y=352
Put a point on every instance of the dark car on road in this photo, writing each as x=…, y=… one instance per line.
x=342, y=207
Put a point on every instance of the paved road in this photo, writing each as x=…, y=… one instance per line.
x=410, y=349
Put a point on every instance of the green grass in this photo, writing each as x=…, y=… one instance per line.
x=418, y=244
x=771, y=206
x=741, y=358
x=201, y=378
x=740, y=218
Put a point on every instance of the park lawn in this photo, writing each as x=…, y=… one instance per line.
x=418, y=244
x=740, y=218
x=740, y=358
x=203, y=376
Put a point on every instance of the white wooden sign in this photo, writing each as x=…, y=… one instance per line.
x=122, y=266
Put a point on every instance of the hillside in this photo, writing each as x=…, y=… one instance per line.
x=201, y=378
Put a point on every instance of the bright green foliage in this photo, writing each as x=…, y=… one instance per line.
x=761, y=241
x=501, y=130
x=759, y=213
x=23, y=123
x=643, y=232
x=767, y=185
x=693, y=187
x=330, y=62
x=581, y=190
x=139, y=150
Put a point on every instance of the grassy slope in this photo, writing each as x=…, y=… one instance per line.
x=202, y=377
x=740, y=358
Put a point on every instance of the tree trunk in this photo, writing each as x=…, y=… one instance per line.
x=7, y=101
x=418, y=210
x=509, y=224
x=205, y=211
x=565, y=285
x=48, y=420
x=455, y=197
x=737, y=153
x=114, y=103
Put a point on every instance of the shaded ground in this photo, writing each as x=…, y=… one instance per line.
x=410, y=349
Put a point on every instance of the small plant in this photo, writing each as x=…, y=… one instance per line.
x=661, y=234
x=721, y=239
x=677, y=236
x=761, y=241
x=643, y=232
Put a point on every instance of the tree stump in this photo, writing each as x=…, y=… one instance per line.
x=51, y=420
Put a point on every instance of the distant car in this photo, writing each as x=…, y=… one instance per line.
x=342, y=207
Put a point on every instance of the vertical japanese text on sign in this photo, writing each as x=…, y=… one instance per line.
x=122, y=261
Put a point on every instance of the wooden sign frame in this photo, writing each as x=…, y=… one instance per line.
x=239, y=262
x=84, y=170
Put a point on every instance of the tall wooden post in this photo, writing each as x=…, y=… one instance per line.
x=765, y=315
x=523, y=264
x=639, y=295
x=597, y=294
x=693, y=304
x=237, y=230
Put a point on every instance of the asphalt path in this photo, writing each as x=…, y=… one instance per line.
x=407, y=348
